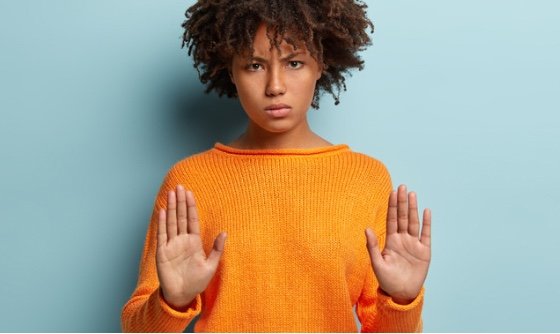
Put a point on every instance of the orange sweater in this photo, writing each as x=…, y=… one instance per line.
x=295, y=258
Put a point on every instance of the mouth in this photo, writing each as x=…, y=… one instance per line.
x=278, y=110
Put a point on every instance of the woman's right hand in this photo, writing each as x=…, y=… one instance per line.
x=183, y=269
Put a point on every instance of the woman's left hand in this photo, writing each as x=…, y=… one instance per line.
x=401, y=268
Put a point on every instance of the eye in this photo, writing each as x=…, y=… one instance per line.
x=295, y=64
x=254, y=67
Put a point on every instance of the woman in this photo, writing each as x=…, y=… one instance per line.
x=296, y=210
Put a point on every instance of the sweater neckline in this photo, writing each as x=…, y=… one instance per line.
x=321, y=150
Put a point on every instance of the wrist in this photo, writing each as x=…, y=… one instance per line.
x=181, y=305
x=401, y=300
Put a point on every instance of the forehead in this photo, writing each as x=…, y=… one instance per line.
x=262, y=43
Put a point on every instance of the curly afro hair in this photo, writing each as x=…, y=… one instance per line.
x=332, y=30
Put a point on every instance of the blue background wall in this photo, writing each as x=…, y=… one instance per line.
x=458, y=98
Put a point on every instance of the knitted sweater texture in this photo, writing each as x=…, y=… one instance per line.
x=295, y=258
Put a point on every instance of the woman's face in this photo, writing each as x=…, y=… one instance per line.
x=275, y=86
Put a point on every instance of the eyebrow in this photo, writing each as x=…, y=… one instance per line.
x=288, y=57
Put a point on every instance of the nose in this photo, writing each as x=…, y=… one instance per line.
x=275, y=82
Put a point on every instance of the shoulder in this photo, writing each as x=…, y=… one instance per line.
x=194, y=161
x=188, y=166
x=369, y=165
x=376, y=179
x=187, y=172
x=374, y=176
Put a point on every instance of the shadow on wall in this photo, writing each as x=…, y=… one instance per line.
x=188, y=122
x=202, y=119
x=206, y=118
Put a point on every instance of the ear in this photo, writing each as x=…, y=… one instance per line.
x=320, y=70
x=230, y=73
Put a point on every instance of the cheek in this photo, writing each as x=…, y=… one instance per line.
x=305, y=85
x=246, y=91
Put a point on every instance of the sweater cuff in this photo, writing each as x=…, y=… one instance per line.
x=393, y=317
x=386, y=300
x=192, y=311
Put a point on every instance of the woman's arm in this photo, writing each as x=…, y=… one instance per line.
x=174, y=268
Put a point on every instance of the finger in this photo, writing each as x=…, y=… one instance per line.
x=217, y=250
x=181, y=210
x=192, y=213
x=392, y=213
x=413, y=223
x=402, y=210
x=162, y=232
x=171, y=215
x=373, y=248
x=426, y=237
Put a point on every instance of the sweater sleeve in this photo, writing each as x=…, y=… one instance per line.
x=377, y=311
x=146, y=310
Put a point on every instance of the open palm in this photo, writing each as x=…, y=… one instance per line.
x=183, y=268
x=402, y=266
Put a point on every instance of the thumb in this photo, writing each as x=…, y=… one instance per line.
x=217, y=250
x=373, y=248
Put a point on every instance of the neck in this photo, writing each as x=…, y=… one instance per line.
x=301, y=137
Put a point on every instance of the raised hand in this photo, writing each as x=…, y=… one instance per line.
x=182, y=266
x=401, y=268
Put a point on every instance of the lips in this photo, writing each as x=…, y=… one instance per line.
x=278, y=110
x=277, y=106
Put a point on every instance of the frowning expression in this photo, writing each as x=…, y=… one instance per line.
x=275, y=85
